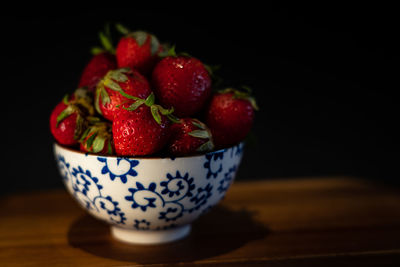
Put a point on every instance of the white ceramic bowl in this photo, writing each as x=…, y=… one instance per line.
x=148, y=200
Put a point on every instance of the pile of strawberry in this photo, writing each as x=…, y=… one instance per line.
x=142, y=98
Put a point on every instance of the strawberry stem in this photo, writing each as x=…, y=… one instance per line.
x=122, y=29
x=129, y=96
x=150, y=100
x=135, y=105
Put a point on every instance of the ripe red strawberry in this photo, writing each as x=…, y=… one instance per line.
x=68, y=118
x=188, y=137
x=230, y=117
x=140, y=129
x=97, y=138
x=138, y=50
x=183, y=83
x=97, y=67
x=113, y=90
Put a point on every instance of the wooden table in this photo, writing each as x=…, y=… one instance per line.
x=293, y=222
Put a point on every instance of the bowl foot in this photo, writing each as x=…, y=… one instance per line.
x=150, y=237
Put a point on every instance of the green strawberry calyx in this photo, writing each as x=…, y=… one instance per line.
x=168, y=51
x=245, y=94
x=111, y=80
x=155, y=109
x=203, y=132
x=106, y=42
x=80, y=103
x=97, y=135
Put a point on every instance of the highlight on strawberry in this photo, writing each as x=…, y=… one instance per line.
x=230, y=116
x=182, y=82
x=142, y=99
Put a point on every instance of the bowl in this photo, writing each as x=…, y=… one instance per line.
x=148, y=200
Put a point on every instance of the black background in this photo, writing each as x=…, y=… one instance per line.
x=324, y=77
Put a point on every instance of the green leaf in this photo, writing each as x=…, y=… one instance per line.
x=118, y=76
x=154, y=44
x=106, y=42
x=64, y=114
x=206, y=147
x=112, y=85
x=129, y=96
x=105, y=98
x=66, y=99
x=140, y=37
x=168, y=53
x=89, y=141
x=135, y=105
x=198, y=124
x=122, y=29
x=97, y=50
x=200, y=134
x=150, y=100
x=173, y=118
x=165, y=111
x=125, y=70
x=110, y=149
x=156, y=114
x=98, y=144
x=84, y=135
x=99, y=90
x=253, y=103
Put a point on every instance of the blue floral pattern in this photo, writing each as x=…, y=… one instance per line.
x=122, y=168
x=88, y=192
x=214, y=164
x=178, y=185
x=141, y=225
x=174, y=191
x=63, y=168
x=116, y=190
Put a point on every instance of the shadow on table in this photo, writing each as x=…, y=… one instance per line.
x=216, y=233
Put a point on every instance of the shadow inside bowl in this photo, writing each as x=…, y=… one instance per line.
x=218, y=232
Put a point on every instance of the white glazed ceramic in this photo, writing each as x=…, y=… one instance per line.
x=148, y=200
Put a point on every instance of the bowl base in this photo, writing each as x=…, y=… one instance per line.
x=150, y=237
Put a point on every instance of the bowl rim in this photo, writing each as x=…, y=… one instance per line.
x=87, y=154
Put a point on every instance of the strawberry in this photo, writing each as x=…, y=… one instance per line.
x=139, y=128
x=113, y=89
x=102, y=61
x=138, y=50
x=181, y=82
x=189, y=136
x=230, y=116
x=97, y=67
x=68, y=118
x=97, y=138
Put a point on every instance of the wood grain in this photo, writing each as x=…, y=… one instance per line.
x=293, y=222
